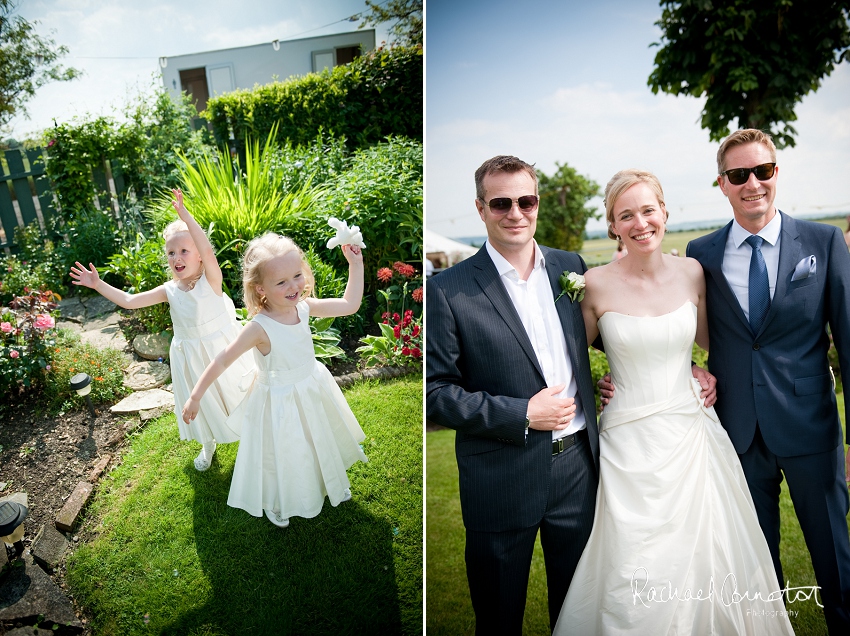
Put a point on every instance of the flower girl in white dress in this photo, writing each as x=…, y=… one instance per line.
x=298, y=434
x=204, y=322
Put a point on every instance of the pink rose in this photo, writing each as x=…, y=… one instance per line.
x=14, y=354
x=44, y=321
x=6, y=327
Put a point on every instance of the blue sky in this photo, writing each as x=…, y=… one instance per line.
x=99, y=31
x=566, y=82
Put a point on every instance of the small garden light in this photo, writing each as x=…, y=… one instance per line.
x=81, y=383
x=12, y=515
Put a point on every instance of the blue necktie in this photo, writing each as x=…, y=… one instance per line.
x=759, y=285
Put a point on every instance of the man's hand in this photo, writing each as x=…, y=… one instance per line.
x=708, y=383
x=606, y=389
x=547, y=412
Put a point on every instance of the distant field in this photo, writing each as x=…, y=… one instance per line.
x=599, y=251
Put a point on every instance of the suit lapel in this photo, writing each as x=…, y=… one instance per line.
x=713, y=266
x=563, y=306
x=488, y=279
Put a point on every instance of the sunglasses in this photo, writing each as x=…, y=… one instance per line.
x=739, y=176
x=503, y=205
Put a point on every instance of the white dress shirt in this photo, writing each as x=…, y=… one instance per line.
x=736, y=259
x=535, y=304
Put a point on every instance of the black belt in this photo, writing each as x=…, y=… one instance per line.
x=562, y=444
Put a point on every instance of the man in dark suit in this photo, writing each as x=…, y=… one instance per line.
x=769, y=302
x=507, y=368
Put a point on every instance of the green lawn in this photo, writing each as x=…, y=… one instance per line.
x=448, y=608
x=168, y=556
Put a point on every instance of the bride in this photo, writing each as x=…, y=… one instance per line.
x=676, y=547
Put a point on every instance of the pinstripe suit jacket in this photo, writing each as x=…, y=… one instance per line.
x=481, y=373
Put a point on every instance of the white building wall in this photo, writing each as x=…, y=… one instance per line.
x=244, y=67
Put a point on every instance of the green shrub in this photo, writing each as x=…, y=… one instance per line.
x=316, y=163
x=19, y=277
x=381, y=192
x=71, y=356
x=91, y=236
x=141, y=266
x=378, y=94
x=144, y=150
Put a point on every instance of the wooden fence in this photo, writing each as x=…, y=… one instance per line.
x=26, y=195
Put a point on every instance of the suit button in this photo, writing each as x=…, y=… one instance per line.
x=756, y=347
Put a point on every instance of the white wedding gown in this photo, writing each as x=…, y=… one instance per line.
x=676, y=547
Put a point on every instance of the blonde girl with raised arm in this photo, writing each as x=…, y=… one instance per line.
x=204, y=324
x=299, y=435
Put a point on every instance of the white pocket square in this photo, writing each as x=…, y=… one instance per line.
x=805, y=268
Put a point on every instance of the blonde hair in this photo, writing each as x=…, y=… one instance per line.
x=175, y=227
x=621, y=182
x=741, y=137
x=259, y=251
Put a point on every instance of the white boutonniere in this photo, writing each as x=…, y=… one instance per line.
x=572, y=285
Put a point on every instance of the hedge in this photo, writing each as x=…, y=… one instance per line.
x=376, y=95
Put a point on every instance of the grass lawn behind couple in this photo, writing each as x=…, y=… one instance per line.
x=448, y=608
x=164, y=554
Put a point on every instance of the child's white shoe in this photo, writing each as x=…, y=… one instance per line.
x=276, y=519
x=346, y=495
x=204, y=460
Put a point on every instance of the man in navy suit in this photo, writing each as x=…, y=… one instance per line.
x=508, y=369
x=769, y=302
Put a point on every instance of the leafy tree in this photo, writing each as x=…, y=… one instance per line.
x=27, y=62
x=563, y=214
x=406, y=16
x=755, y=61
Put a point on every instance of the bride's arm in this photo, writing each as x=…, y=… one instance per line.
x=588, y=307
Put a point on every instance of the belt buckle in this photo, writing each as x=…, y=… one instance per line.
x=560, y=442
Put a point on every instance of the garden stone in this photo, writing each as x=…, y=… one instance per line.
x=144, y=400
x=99, y=306
x=27, y=594
x=96, y=472
x=105, y=335
x=72, y=309
x=146, y=375
x=151, y=346
x=70, y=513
x=102, y=321
x=48, y=547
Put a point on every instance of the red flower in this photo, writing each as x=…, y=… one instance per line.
x=385, y=274
x=404, y=269
x=396, y=318
x=415, y=352
x=417, y=294
x=415, y=330
x=405, y=351
x=406, y=338
x=397, y=331
x=13, y=354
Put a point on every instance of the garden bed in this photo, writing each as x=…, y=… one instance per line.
x=47, y=456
